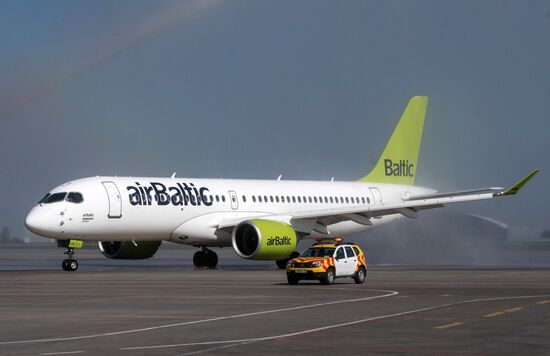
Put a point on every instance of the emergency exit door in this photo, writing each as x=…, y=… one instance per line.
x=234, y=200
x=115, y=203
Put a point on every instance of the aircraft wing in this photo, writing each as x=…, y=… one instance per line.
x=317, y=220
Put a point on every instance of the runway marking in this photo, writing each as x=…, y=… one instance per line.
x=512, y=310
x=543, y=302
x=389, y=293
x=492, y=315
x=448, y=326
x=62, y=353
x=328, y=327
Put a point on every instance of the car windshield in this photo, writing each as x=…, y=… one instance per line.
x=55, y=197
x=318, y=252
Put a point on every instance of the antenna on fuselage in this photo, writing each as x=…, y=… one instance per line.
x=332, y=179
x=279, y=177
x=173, y=175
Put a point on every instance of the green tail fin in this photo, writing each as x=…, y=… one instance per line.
x=398, y=162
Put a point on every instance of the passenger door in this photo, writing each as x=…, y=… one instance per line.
x=115, y=203
x=377, y=195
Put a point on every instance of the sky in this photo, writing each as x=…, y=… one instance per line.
x=254, y=89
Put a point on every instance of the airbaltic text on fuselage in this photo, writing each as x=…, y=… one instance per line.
x=178, y=194
x=401, y=169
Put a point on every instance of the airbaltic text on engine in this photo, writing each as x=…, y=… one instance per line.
x=178, y=194
x=277, y=241
x=401, y=169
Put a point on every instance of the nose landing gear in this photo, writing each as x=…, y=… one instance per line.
x=205, y=258
x=69, y=264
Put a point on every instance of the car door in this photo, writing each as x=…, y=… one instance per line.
x=352, y=260
x=341, y=263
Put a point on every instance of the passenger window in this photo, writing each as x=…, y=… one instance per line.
x=340, y=253
x=74, y=197
x=363, y=200
x=271, y=198
x=277, y=198
x=218, y=198
x=315, y=199
x=282, y=198
x=260, y=198
x=293, y=199
x=331, y=200
x=244, y=198
x=368, y=200
x=253, y=198
x=55, y=197
x=349, y=252
x=288, y=199
x=356, y=250
x=265, y=198
x=310, y=200
x=223, y=198
x=299, y=199
x=326, y=199
x=347, y=200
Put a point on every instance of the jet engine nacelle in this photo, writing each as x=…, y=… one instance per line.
x=259, y=239
x=127, y=250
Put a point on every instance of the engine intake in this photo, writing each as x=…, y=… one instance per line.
x=259, y=239
x=126, y=250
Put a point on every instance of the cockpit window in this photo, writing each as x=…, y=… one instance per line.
x=54, y=198
x=43, y=199
x=74, y=197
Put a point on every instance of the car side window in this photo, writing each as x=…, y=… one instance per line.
x=356, y=250
x=340, y=253
x=349, y=252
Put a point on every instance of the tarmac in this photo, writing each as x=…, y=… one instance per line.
x=164, y=306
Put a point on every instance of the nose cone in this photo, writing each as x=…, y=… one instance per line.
x=38, y=222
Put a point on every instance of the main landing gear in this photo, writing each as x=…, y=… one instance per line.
x=69, y=264
x=205, y=258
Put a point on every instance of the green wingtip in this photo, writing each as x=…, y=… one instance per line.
x=516, y=187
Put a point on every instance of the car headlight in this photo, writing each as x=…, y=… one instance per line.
x=316, y=264
x=290, y=264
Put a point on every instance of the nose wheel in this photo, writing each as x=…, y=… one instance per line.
x=205, y=258
x=69, y=264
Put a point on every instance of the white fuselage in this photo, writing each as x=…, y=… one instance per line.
x=187, y=210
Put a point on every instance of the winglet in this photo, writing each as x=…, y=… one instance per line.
x=516, y=187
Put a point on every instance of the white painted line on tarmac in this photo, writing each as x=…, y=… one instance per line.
x=327, y=327
x=388, y=293
x=62, y=353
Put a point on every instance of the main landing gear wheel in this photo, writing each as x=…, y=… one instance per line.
x=282, y=263
x=205, y=258
x=69, y=264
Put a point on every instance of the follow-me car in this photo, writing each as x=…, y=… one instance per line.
x=129, y=217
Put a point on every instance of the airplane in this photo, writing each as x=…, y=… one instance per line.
x=129, y=217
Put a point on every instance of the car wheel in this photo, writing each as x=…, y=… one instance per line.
x=360, y=275
x=329, y=276
x=292, y=280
